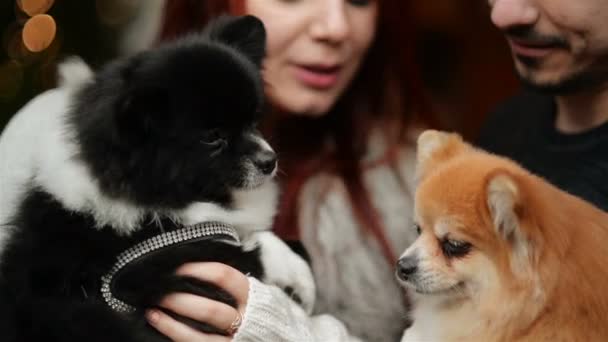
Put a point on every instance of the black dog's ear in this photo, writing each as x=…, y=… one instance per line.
x=247, y=34
x=143, y=112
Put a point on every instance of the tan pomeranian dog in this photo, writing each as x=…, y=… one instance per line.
x=502, y=254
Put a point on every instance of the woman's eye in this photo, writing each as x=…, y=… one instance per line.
x=455, y=248
x=360, y=3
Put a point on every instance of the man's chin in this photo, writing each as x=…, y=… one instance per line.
x=567, y=85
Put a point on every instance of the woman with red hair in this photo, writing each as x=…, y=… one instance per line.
x=344, y=108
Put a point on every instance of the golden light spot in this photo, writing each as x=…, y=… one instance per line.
x=39, y=32
x=34, y=7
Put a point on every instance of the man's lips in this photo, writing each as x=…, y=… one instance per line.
x=319, y=76
x=533, y=49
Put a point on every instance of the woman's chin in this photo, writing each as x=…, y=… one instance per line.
x=313, y=106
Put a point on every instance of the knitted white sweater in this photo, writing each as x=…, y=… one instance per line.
x=357, y=291
x=271, y=316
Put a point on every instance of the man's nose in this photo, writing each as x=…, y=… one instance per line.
x=507, y=14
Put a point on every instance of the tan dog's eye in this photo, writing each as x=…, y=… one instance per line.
x=455, y=248
x=418, y=230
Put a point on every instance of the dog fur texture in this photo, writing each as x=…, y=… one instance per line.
x=150, y=143
x=502, y=255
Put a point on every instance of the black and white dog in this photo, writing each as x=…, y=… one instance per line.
x=111, y=181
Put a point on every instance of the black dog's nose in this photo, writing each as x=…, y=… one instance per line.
x=406, y=267
x=266, y=161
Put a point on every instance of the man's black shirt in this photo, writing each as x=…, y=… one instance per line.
x=523, y=129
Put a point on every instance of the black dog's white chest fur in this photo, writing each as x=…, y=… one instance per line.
x=152, y=143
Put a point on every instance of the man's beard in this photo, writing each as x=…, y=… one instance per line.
x=592, y=76
x=580, y=81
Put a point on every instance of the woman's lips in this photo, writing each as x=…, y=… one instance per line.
x=317, y=76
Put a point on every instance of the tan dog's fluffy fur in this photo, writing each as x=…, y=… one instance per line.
x=535, y=266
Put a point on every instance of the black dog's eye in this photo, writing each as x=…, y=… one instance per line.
x=213, y=138
x=455, y=248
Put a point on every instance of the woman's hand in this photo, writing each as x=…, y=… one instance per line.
x=201, y=309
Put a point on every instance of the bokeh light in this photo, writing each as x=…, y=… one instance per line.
x=34, y=7
x=39, y=32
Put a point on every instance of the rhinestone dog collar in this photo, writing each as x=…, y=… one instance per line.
x=155, y=243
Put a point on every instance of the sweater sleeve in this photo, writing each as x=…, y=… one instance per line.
x=270, y=315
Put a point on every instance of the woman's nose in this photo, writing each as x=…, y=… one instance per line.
x=331, y=23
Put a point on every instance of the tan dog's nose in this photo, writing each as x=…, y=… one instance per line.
x=406, y=267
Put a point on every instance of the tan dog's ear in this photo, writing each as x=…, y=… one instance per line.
x=504, y=200
x=435, y=147
x=503, y=197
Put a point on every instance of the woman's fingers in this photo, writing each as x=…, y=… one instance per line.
x=201, y=309
x=217, y=314
x=179, y=332
x=223, y=276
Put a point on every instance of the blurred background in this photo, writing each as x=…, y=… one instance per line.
x=465, y=62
